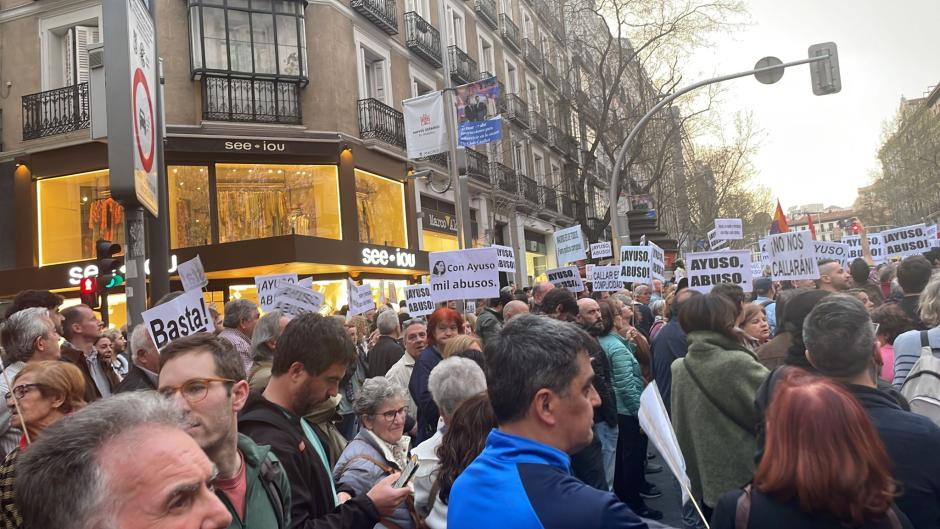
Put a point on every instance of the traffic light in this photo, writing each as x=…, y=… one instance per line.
x=856, y=228
x=89, y=291
x=109, y=265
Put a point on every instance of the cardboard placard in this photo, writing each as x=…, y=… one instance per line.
x=505, y=259
x=569, y=245
x=192, y=274
x=601, y=250
x=182, y=316
x=419, y=300
x=792, y=256
x=729, y=229
x=906, y=241
x=606, y=278
x=832, y=250
x=464, y=274
x=566, y=277
x=707, y=269
x=714, y=241
x=657, y=262
x=267, y=286
x=636, y=264
x=295, y=300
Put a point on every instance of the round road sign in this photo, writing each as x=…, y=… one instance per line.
x=769, y=76
x=144, y=125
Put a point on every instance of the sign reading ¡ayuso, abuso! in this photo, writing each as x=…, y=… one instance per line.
x=267, y=286
x=182, y=316
x=298, y=299
x=425, y=133
x=505, y=259
x=792, y=256
x=419, y=300
x=601, y=250
x=566, y=277
x=707, y=269
x=636, y=264
x=832, y=250
x=657, y=262
x=606, y=278
x=906, y=241
x=464, y=274
x=569, y=245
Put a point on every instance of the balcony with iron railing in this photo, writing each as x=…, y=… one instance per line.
x=486, y=11
x=602, y=172
x=382, y=13
x=463, y=69
x=528, y=189
x=440, y=159
x=569, y=145
x=551, y=75
x=55, y=111
x=423, y=39
x=510, y=33
x=549, y=198
x=516, y=110
x=381, y=122
x=227, y=98
x=533, y=54
x=478, y=167
x=504, y=178
x=555, y=138
x=538, y=125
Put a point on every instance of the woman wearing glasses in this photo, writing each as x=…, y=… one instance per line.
x=380, y=448
x=45, y=392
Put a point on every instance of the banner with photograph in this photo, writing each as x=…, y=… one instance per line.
x=425, y=130
x=478, y=119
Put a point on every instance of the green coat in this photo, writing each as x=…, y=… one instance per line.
x=626, y=378
x=719, y=454
x=259, y=512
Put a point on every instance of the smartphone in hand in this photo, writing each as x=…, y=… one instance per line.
x=407, y=473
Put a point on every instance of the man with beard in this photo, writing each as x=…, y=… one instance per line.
x=309, y=363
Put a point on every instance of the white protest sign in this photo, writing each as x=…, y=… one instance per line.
x=792, y=256
x=267, y=286
x=832, y=250
x=757, y=268
x=657, y=262
x=566, y=277
x=714, y=241
x=876, y=245
x=588, y=268
x=419, y=301
x=729, y=229
x=182, y=316
x=932, y=236
x=295, y=300
x=360, y=298
x=854, y=244
x=505, y=259
x=656, y=424
x=707, y=269
x=764, y=256
x=636, y=264
x=470, y=307
x=906, y=241
x=569, y=245
x=192, y=274
x=600, y=250
x=606, y=278
x=464, y=274
x=306, y=282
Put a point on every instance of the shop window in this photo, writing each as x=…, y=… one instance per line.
x=188, y=192
x=439, y=242
x=381, y=205
x=74, y=212
x=258, y=201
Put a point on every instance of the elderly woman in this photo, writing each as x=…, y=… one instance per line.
x=44, y=392
x=263, y=341
x=108, y=359
x=357, y=328
x=380, y=448
x=119, y=345
x=443, y=325
x=755, y=326
x=461, y=343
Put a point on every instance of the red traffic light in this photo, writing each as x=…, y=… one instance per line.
x=88, y=287
x=856, y=228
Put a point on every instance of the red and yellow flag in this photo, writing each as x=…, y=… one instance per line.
x=812, y=229
x=779, y=224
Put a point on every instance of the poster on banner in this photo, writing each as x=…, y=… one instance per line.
x=729, y=229
x=505, y=259
x=295, y=300
x=714, y=241
x=425, y=131
x=267, y=286
x=636, y=264
x=792, y=256
x=832, y=250
x=478, y=119
x=569, y=245
x=464, y=274
x=601, y=250
x=657, y=262
x=606, y=278
x=419, y=301
x=566, y=277
x=360, y=298
x=192, y=274
x=182, y=316
x=707, y=269
x=906, y=241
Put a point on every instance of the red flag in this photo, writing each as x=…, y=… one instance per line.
x=779, y=224
x=812, y=229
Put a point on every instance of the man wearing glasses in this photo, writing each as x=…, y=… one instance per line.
x=204, y=376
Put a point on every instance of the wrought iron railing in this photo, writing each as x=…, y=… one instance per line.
x=439, y=159
x=549, y=198
x=259, y=100
x=510, y=32
x=569, y=145
x=380, y=121
x=555, y=137
x=504, y=178
x=567, y=207
x=516, y=109
x=463, y=69
x=423, y=39
x=533, y=55
x=382, y=13
x=538, y=125
x=478, y=166
x=486, y=11
x=55, y=111
x=528, y=189
x=551, y=75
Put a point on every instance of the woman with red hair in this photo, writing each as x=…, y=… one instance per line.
x=444, y=324
x=824, y=465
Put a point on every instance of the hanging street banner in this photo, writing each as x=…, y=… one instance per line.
x=505, y=259
x=707, y=269
x=566, y=277
x=425, y=129
x=478, y=119
x=714, y=241
x=657, y=262
x=636, y=264
x=606, y=278
x=569, y=245
x=419, y=301
x=182, y=316
x=729, y=229
x=792, y=256
x=906, y=241
x=267, y=287
x=832, y=250
x=192, y=274
x=295, y=300
x=464, y=274
x=601, y=250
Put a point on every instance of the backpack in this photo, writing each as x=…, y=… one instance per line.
x=922, y=386
x=270, y=477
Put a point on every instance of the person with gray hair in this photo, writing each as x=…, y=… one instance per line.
x=121, y=463
x=241, y=317
x=380, y=448
x=538, y=294
x=387, y=351
x=145, y=363
x=514, y=308
x=264, y=338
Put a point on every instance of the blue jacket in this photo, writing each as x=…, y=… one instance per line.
x=428, y=413
x=519, y=483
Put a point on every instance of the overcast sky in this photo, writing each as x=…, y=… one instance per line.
x=821, y=148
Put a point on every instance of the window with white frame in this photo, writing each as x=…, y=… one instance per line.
x=375, y=80
x=518, y=153
x=538, y=167
x=456, y=27
x=64, y=46
x=421, y=84
x=532, y=92
x=528, y=27
x=505, y=7
x=421, y=7
x=487, y=60
x=512, y=82
x=555, y=177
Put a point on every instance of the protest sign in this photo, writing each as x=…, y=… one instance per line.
x=854, y=244
x=707, y=269
x=182, y=316
x=909, y=240
x=729, y=229
x=714, y=241
x=306, y=282
x=764, y=256
x=588, y=268
x=464, y=274
x=932, y=236
x=505, y=259
x=606, y=278
x=478, y=119
x=636, y=264
x=192, y=274
x=656, y=424
x=600, y=250
x=425, y=129
x=657, y=262
x=876, y=245
x=569, y=245
x=470, y=307
x=360, y=298
x=757, y=268
x=832, y=250
x=792, y=256
x=267, y=286
x=295, y=300
x=566, y=277
x=419, y=300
